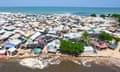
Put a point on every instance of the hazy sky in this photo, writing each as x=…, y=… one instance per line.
x=71, y=3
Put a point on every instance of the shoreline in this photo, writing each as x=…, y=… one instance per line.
x=61, y=57
x=85, y=61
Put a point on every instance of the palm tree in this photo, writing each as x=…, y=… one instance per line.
x=85, y=37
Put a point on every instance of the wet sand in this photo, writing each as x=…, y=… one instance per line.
x=65, y=66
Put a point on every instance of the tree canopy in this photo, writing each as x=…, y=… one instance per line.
x=102, y=15
x=69, y=47
x=85, y=37
x=105, y=36
x=116, y=15
x=93, y=15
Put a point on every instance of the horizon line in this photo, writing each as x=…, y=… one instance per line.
x=61, y=6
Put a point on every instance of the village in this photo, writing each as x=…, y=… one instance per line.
x=30, y=35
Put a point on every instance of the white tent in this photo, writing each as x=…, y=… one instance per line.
x=11, y=49
x=88, y=49
x=73, y=35
x=5, y=35
x=35, y=35
x=52, y=32
x=14, y=41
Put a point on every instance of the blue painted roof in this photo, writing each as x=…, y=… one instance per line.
x=37, y=50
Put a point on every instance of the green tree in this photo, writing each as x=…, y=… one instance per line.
x=93, y=15
x=102, y=15
x=105, y=36
x=116, y=15
x=69, y=47
x=85, y=37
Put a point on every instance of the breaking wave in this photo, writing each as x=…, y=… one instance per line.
x=106, y=61
x=39, y=63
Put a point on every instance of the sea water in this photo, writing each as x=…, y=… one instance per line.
x=84, y=11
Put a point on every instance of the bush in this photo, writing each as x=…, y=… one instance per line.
x=69, y=47
x=116, y=15
x=102, y=15
x=93, y=15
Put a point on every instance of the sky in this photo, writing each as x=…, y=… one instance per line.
x=61, y=3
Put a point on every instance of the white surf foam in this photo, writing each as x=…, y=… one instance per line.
x=38, y=63
x=77, y=62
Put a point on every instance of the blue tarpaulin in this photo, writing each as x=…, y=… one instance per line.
x=8, y=45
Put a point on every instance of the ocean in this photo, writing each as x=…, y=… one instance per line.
x=84, y=11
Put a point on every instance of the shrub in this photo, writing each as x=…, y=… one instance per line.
x=116, y=15
x=93, y=15
x=102, y=15
x=69, y=47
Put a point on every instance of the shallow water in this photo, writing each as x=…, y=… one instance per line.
x=65, y=66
